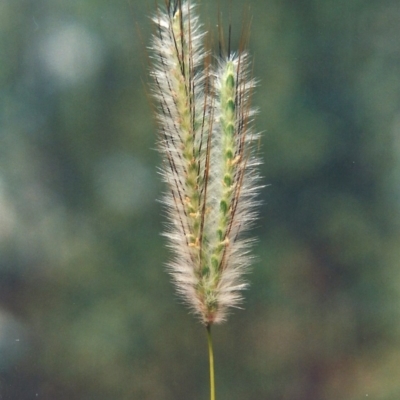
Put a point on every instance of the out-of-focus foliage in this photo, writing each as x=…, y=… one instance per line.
x=86, y=308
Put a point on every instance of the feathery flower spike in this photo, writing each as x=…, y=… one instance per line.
x=206, y=140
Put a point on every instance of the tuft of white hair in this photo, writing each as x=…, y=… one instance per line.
x=207, y=142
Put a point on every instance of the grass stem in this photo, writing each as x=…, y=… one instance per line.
x=211, y=358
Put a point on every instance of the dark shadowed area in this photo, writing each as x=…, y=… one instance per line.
x=87, y=310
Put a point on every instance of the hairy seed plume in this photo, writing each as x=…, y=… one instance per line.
x=206, y=140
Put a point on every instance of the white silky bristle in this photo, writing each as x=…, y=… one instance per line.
x=210, y=167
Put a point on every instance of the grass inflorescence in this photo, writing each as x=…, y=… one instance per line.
x=206, y=139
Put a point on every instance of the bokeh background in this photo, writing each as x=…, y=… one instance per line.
x=86, y=307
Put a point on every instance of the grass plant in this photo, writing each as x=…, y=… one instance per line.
x=207, y=142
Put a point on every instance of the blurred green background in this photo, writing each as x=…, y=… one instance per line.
x=87, y=310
